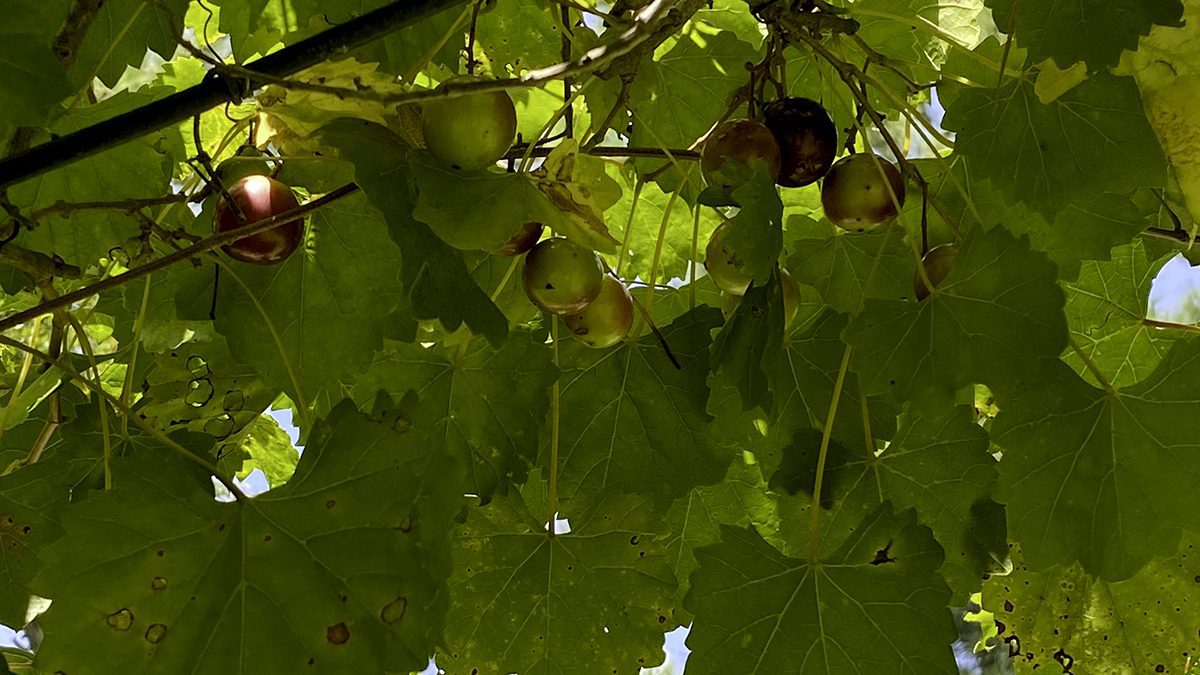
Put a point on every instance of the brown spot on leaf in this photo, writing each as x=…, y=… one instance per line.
x=158, y=584
x=121, y=620
x=337, y=634
x=394, y=610
x=329, y=504
x=1008, y=606
x=155, y=632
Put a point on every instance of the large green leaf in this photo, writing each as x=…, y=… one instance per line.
x=1100, y=477
x=631, y=421
x=194, y=584
x=138, y=169
x=848, y=268
x=1106, y=309
x=998, y=308
x=487, y=404
x=121, y=33
x=937, y=464
x=436, y=279
x=1065, y=618
x=1094, y=31
x=880, y=588
x=1093, y=139
x=517, y=591
x=308, y=320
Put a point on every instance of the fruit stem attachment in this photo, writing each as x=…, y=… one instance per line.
x=814, y=508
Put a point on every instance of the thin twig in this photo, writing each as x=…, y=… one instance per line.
x=203, y=246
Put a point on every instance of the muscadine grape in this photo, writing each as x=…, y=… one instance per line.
x=607, y=319
x=259, y=198
x=855, y=193
x=937, y=263
x=469, y=132
x=743, y=142
x=807, y=139
x=723, y=264
x=562, y=277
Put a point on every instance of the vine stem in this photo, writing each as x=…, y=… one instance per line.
x=20, y=384
x=662, y=235
x=692, y=259
x=1154, y=323
x=126, y=412
x=555, y=403
x=633, y=205
x=1091, y=365
x=814, y=509
x=203, y=246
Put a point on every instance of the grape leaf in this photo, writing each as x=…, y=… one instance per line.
x=1106, y=311
x=1079, y=232
x=327, y=303
x=694, y=521
x=140, y=168
x=747, y=350
x=1094, y=31
x=676, y=97
x=812, y=358
x=997, y=309
x=438, y=282
x=488, y=404
x=1091, y=140
x=268, y=448
x=1065, y=618
x=476, y=211
x=195, y=580
x=517, y=591
x=630, y=418
x=33, y=81
x=122, y=32
x=938, y=464
x=841, y=266
x=787, y=615
x=521, y=34
x=1097, y=476
x=201, y=387
x=756, y=231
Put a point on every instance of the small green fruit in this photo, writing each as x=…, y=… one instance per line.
x=743, y=142
x=562, y=277
x=855, y=193
x=723, y=264
x=469, y=132
x=607, y=319
x=937, y=263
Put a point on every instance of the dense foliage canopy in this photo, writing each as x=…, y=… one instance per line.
x=751, y=407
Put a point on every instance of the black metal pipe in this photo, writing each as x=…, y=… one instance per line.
x=215, y=90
